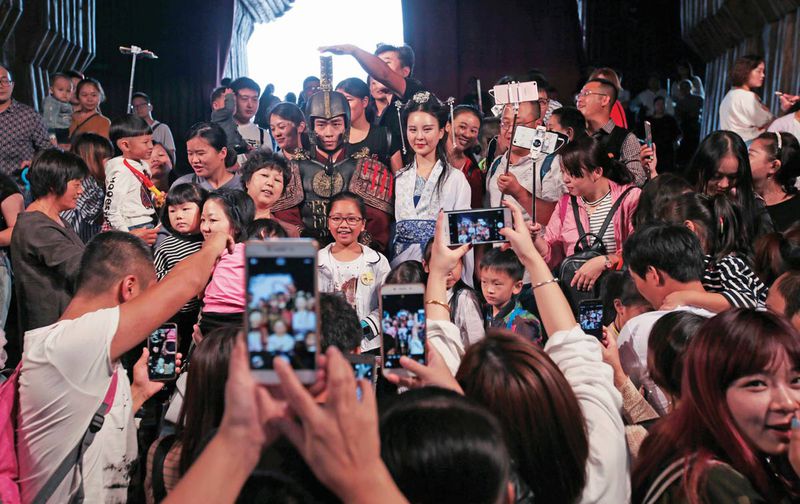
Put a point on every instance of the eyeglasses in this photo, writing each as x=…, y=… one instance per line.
x=350, y=219
x=141, y=105
x=6, y=82
x=584, y=94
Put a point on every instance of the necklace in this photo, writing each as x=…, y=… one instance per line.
x=596, y=202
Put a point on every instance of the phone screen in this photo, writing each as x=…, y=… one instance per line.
x=163, y=347
x=281, y=312
x=476, y=226
x=590, y=317
x=403, y=321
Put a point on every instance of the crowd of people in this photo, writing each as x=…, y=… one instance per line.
x=691, y=246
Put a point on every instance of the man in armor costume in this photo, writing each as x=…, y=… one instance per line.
x=319, y=175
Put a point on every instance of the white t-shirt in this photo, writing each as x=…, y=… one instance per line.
x=742, y=113
x=66, y=371
x=787, y=124
x=632, y=343
x=523, y=170
x=255, y=137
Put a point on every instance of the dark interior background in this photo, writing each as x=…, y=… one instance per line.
x=453, y=40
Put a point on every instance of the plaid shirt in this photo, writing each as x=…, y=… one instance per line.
x=22, y=133
x=629, y=155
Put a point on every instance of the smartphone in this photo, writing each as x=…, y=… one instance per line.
x=590, y=317
x=364, y=368
x=478, y=226
x=282, y=318
x=515, y=92
x=162, y=346
x=403, y=320
x=524, y=137
x=648, y=134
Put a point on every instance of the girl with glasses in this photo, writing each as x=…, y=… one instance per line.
x=353, y=270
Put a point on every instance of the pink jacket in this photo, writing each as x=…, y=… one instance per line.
x=562, y=234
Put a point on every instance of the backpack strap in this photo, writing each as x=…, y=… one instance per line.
x=159, y=457
x=611, y=212
x=578, y=223
x=75, y=457
x=261, y=136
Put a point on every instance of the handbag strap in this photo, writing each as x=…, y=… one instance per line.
x=79, y=126
x=75, y=456
x=159, y=457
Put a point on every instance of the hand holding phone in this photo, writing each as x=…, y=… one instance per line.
x=162, y=345
x=477, y=226
x=402, y=325
x=282, y=317
x=590, y=317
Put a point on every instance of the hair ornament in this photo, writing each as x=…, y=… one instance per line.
x=399, y=106
x=421, y=97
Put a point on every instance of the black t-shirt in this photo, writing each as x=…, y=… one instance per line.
x=7, y=188
x=785, y=213
x=390, y=118
x=379, y=142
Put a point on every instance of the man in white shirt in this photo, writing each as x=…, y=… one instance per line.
x=789, y=123
x=515, y=183
x=643, y=104
x=67, y=367
x=662, y=259
x=247, y=92
x=143, y=107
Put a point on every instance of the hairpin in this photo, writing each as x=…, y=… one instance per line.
x=450, y=102
x=400, y=120
x=421, y=97
x=780, y=142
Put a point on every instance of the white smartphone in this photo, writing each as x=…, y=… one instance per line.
x=282, y=310
x=402, y=325
x=478, y=226
x=515, y=92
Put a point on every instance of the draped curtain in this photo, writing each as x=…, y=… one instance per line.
x=723, y=30
x=248, y=13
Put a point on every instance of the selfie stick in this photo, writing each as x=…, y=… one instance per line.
x=480, y=99
x=135, y=52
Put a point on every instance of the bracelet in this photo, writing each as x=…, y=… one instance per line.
x=552, y=280
x=439, y=303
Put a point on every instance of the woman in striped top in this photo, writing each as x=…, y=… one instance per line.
x=182, y=220
x=728, y=279
x=594, y=181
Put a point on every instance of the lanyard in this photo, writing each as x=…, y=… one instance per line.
x=145, y=180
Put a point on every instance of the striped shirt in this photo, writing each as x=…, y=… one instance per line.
x=596, y=222
x=87, y=216
x=735, y=281
x=172, y=250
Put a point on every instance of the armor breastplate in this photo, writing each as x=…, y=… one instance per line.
x=319, y=188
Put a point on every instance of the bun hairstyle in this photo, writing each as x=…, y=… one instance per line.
x=785, y=148
x=216, y=138
x=587, y=153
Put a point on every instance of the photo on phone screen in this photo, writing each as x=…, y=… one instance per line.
x=404, y=322
x=281, y=311
x=590, y=317
x=163, y=348
x=477, y=226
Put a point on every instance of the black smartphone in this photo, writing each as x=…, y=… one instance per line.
x=163, y=347
x=478, y=226
x=403, y=309
x=590, y=317
x=282, y=310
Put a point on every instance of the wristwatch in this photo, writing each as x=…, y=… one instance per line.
x=608, y=264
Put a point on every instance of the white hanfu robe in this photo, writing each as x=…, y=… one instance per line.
x=416, y=223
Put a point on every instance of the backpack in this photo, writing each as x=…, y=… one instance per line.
x=9, y=466
x=584, y=251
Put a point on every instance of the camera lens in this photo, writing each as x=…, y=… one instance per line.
x=537, y=143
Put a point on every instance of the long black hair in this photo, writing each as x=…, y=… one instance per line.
x=789, y=156
x=705, y=163
x=360, y=89
x=718, y=223
x=428, y=103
